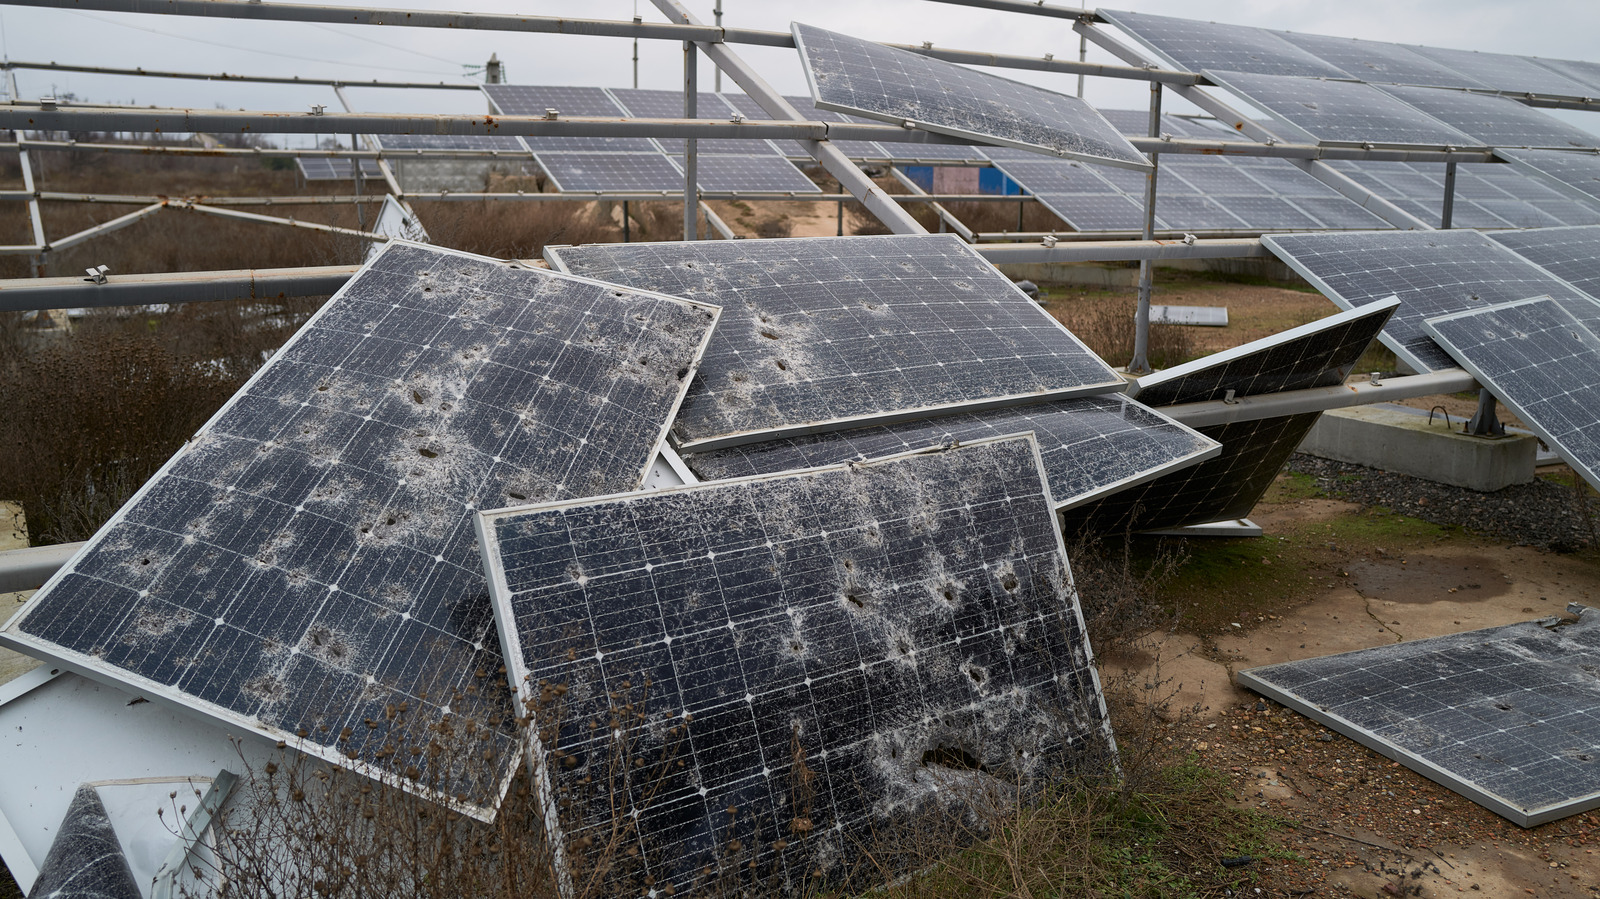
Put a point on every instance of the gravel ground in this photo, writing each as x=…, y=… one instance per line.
x=1541, y=513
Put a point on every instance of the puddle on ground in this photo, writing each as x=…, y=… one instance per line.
x=1425, y=579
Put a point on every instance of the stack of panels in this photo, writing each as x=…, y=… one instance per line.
x=1433, y=273
x=305, y=567
x=826, y=333
x=852, y=75
x=1228, y=486
x=790, y=670
x=1508, y=717
x=1543, y=363
x=322, y=168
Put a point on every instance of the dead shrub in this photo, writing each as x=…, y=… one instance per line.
x=514, y=229
x=1106, y=325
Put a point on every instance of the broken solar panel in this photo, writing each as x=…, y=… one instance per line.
x=822, y=333
x=1507, y=716
x=1220, y=489
x=1495, y=120
x=1319, y=354
x=756, y=677
x=1090, y=445
x=1571, y=254
x=305, y=567
x=538, y=99
x=1339, y=112
x=1432, y=272
x=853, y=75
x=1380, y=62
x=1194, y=46
x=1540, y=361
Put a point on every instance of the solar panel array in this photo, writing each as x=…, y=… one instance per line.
x=306, y=568
x=538, y=99
x=853, y=75
x=1486, y=196
x=823, y=333
x=1504, y=72
x=1576, y=175
x=1495, y=120
x=1509, y=716
x=1339, y=112
x=1090, y=445
x=739, y=683
x=1543, y=363
x=1195, y=46
x=872, y=151
x=1380, y=62
x=1571, y=254
x=323, y=168
x=1432, y=272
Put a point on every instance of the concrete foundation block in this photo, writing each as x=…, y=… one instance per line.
x=1384, y=437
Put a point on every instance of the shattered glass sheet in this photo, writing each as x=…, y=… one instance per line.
x=823, y=333
x=763, y=681
x=852, y=75
x=1432, y=272
x=1221, y=489
x=1194, y=46
x=1319, y=354
x=1508, y=717
x=1090, y=445
x=1339, y=112
x=305, y=567
x=1540, y=361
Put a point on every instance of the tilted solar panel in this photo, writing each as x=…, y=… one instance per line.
x=1507, y=73
x=324, y=168
x=569, y=171
x=1571, y=254
x=1380, y=62
x=1339, y=112
x=538, y=99
x=1574, y=173
x=1194, y=46
x=1495, y=120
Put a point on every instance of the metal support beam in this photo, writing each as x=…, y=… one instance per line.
x=199, y=820
x=28, y=569
x=1140, y=363
x=116, y=224
x=1123, y=251
x=1449, y=195
x=1485, y=423
x=716, y=223
x=945, y=215
x=35, y=215
x=389, y=178
x=691, y=163
x=13, y=64
x=181, y=287
x=275, y=220
x=1320, y=399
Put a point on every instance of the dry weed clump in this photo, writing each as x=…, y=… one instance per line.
x=1106, y=325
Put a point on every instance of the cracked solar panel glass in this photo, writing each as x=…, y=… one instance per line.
x=502, y=143
x=754, y=174
x=1222, y=489
x=1494, y=120
x=1319, y=354
x=1543, y=363
x=305, y=567
x=1508, y=717
x=1380, y=62
x=821, y=333
x=1571, y=254
x=853, y=75
x=1504, y=72
x=1193, y=46
x=1576, y=174
x=1432, y=272
x=611, y=171
x=320, y=168
x=536, y=99
x=654, y=104
x=1090, y=445
x=1339, y=112
x=789, y=665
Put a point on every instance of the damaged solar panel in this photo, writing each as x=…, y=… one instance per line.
x=305, y=567
x=823, y=333
x=1194, y=46
x=1339, y=112
x=1507, y=716
x=755, y=677
x=1495, y=120
x=1571, y=254
x=853, y=75
x=1090, y=445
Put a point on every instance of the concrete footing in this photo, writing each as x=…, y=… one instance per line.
x=1395, y=439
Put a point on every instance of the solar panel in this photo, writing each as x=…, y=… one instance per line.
x=1180, y=213
x=1576, y=174
x=1494, y=120
x=1054, y=176
x=785, y=665
x=1507, y=73
x=1433, y=272
x=1571, y=254
x=1195, y=46
x=1095, y=212
x=1380, y=62
x=1543, y=363
x=1207, y=175
x=747, y=106
x=1339, y=112
x=1090, y=445
x=1517, y=213
x=1319, y=354
x=1340, y=213
x=323, y=168
x=1269, y=213
x=756, y=174
x=1221, y=489
x=1585, y=73
x=305, y=568
x=611, y=171
x=536, y=99
x=1200, y=316
x=1507, y=716
x=656, y=104
x=820, y=333
x=1286, y=179
x=1568, y=212
x=853, y=75
x=392, y=142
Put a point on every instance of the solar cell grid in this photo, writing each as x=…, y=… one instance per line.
x=822, y=333
x=535, y=99
x=1583, y=72
x=1517, y=213
x=855, y=149
x=790, y=664
x=1576, y=174
x=1495, y=120
x=881, y=82
x=611, y=171
x=510, y=145
x=1195, y=213
x=1089, y=445
x=1432, y=272
x=1504, y=72
x=1380, y=62
x=305, y=568
x=1506, y=716
x=1543, y=363
x=753, y=174
x=321, y=168
x=1571, y=254
x=1339, y=112
x=1269, y=213
x=1195, y=46
x=1340, y=213
x=1095, y=212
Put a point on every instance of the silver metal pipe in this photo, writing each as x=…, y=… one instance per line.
x=35, y=215
x=1122, y=251
x=716, y=223
x=691, y=159
x=1140, y=363
x=172, y=287
x=384, y=168
x=241, y=79
x=1282, y=150
x=1449, y=195
x=1320, y=399
x=28, y=569
x=116, y=224
x=945, y=215
x=256, y=152
x=440, y=196
x=276, y=220
x=1355, y=190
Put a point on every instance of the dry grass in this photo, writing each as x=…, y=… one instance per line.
x=1106, y=325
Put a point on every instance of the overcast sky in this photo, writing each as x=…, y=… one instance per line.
x=1555, y=28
